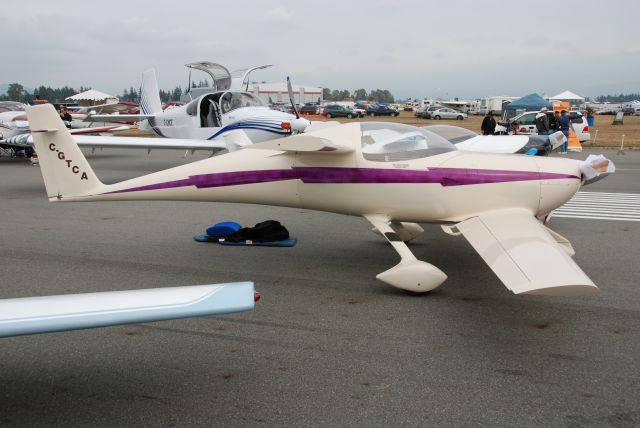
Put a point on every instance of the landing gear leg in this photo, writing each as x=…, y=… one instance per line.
x=405, y=231
x=410, y=274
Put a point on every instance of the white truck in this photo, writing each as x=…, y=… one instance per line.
x=494, y=104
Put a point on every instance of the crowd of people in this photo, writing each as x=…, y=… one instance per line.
x=545, y=123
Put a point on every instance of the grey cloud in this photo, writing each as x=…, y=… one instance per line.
x=461, y=48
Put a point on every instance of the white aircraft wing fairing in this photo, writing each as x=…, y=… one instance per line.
x=32, y=315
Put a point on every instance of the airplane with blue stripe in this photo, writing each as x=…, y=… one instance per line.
x=212, y=114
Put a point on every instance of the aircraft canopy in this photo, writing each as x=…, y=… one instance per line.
x=219, y=74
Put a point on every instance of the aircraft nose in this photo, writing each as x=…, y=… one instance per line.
x=560, y=179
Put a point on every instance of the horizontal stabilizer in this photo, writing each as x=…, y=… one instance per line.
x=48, y=314
x=524, y=255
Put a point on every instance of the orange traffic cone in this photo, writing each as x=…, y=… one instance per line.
x=574, y=144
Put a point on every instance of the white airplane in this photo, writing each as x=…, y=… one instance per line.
x=220, y=109
x=497, y=202
x=14, y=128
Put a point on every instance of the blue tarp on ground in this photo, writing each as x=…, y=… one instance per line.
x=529, y=102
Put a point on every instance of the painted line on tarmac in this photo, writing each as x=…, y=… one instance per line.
x=601, y=206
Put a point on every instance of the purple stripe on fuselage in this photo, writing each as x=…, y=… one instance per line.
x=318, y=175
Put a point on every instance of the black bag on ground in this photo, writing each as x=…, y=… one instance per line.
x=269, y=230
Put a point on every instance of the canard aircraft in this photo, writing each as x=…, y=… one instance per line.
x=497, y=202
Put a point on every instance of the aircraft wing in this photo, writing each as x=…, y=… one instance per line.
x=494, y=143
x=94, y=141
x=106, y=108
x=117, y=117
x=78, y=131
x=526, y=256
x=32, y=315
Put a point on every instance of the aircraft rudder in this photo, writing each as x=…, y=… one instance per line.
x=64, y=168
x=149, y=93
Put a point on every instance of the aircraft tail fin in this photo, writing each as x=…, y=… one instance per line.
x=64, y=168
x=149, y=93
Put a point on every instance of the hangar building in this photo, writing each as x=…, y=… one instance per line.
x=277, y=93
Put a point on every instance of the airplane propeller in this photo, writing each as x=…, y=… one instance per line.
x=299, y=124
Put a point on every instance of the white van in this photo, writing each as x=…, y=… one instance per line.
x=527, y=126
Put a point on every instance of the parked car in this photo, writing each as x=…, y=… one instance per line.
x=527, y=126
x=425, y=111
x=382, y=110
x=358, y=111
x=608, y=111
x=336, y=110
x=447, y=113
x=310, y=109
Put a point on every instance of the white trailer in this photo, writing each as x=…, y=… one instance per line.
x=494, y=104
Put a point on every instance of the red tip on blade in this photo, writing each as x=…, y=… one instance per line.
x=256, y=296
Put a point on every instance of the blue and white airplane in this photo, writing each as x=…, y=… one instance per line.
x=214, y=112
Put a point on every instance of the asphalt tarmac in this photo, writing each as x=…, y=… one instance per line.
x=328, y=345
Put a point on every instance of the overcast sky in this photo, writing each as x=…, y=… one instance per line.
x=421, y=48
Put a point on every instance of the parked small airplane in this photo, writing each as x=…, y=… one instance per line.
x=222, y=108
x=14, y=131
x=496, y=201
x=464, y=139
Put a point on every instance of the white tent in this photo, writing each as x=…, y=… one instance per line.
x=567, y=96
x=93, y=97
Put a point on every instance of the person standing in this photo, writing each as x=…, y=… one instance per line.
x=542, y=121
x=553, y=121
x=564, y=124
x=488, y=126
x=64, y=114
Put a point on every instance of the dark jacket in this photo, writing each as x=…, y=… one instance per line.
x=488, y=126
x=542, y=123
x=553, y=123
x=564, y=123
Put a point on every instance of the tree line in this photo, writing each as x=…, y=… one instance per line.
x=17, y=92
x=376, y=95
x=622, y=98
